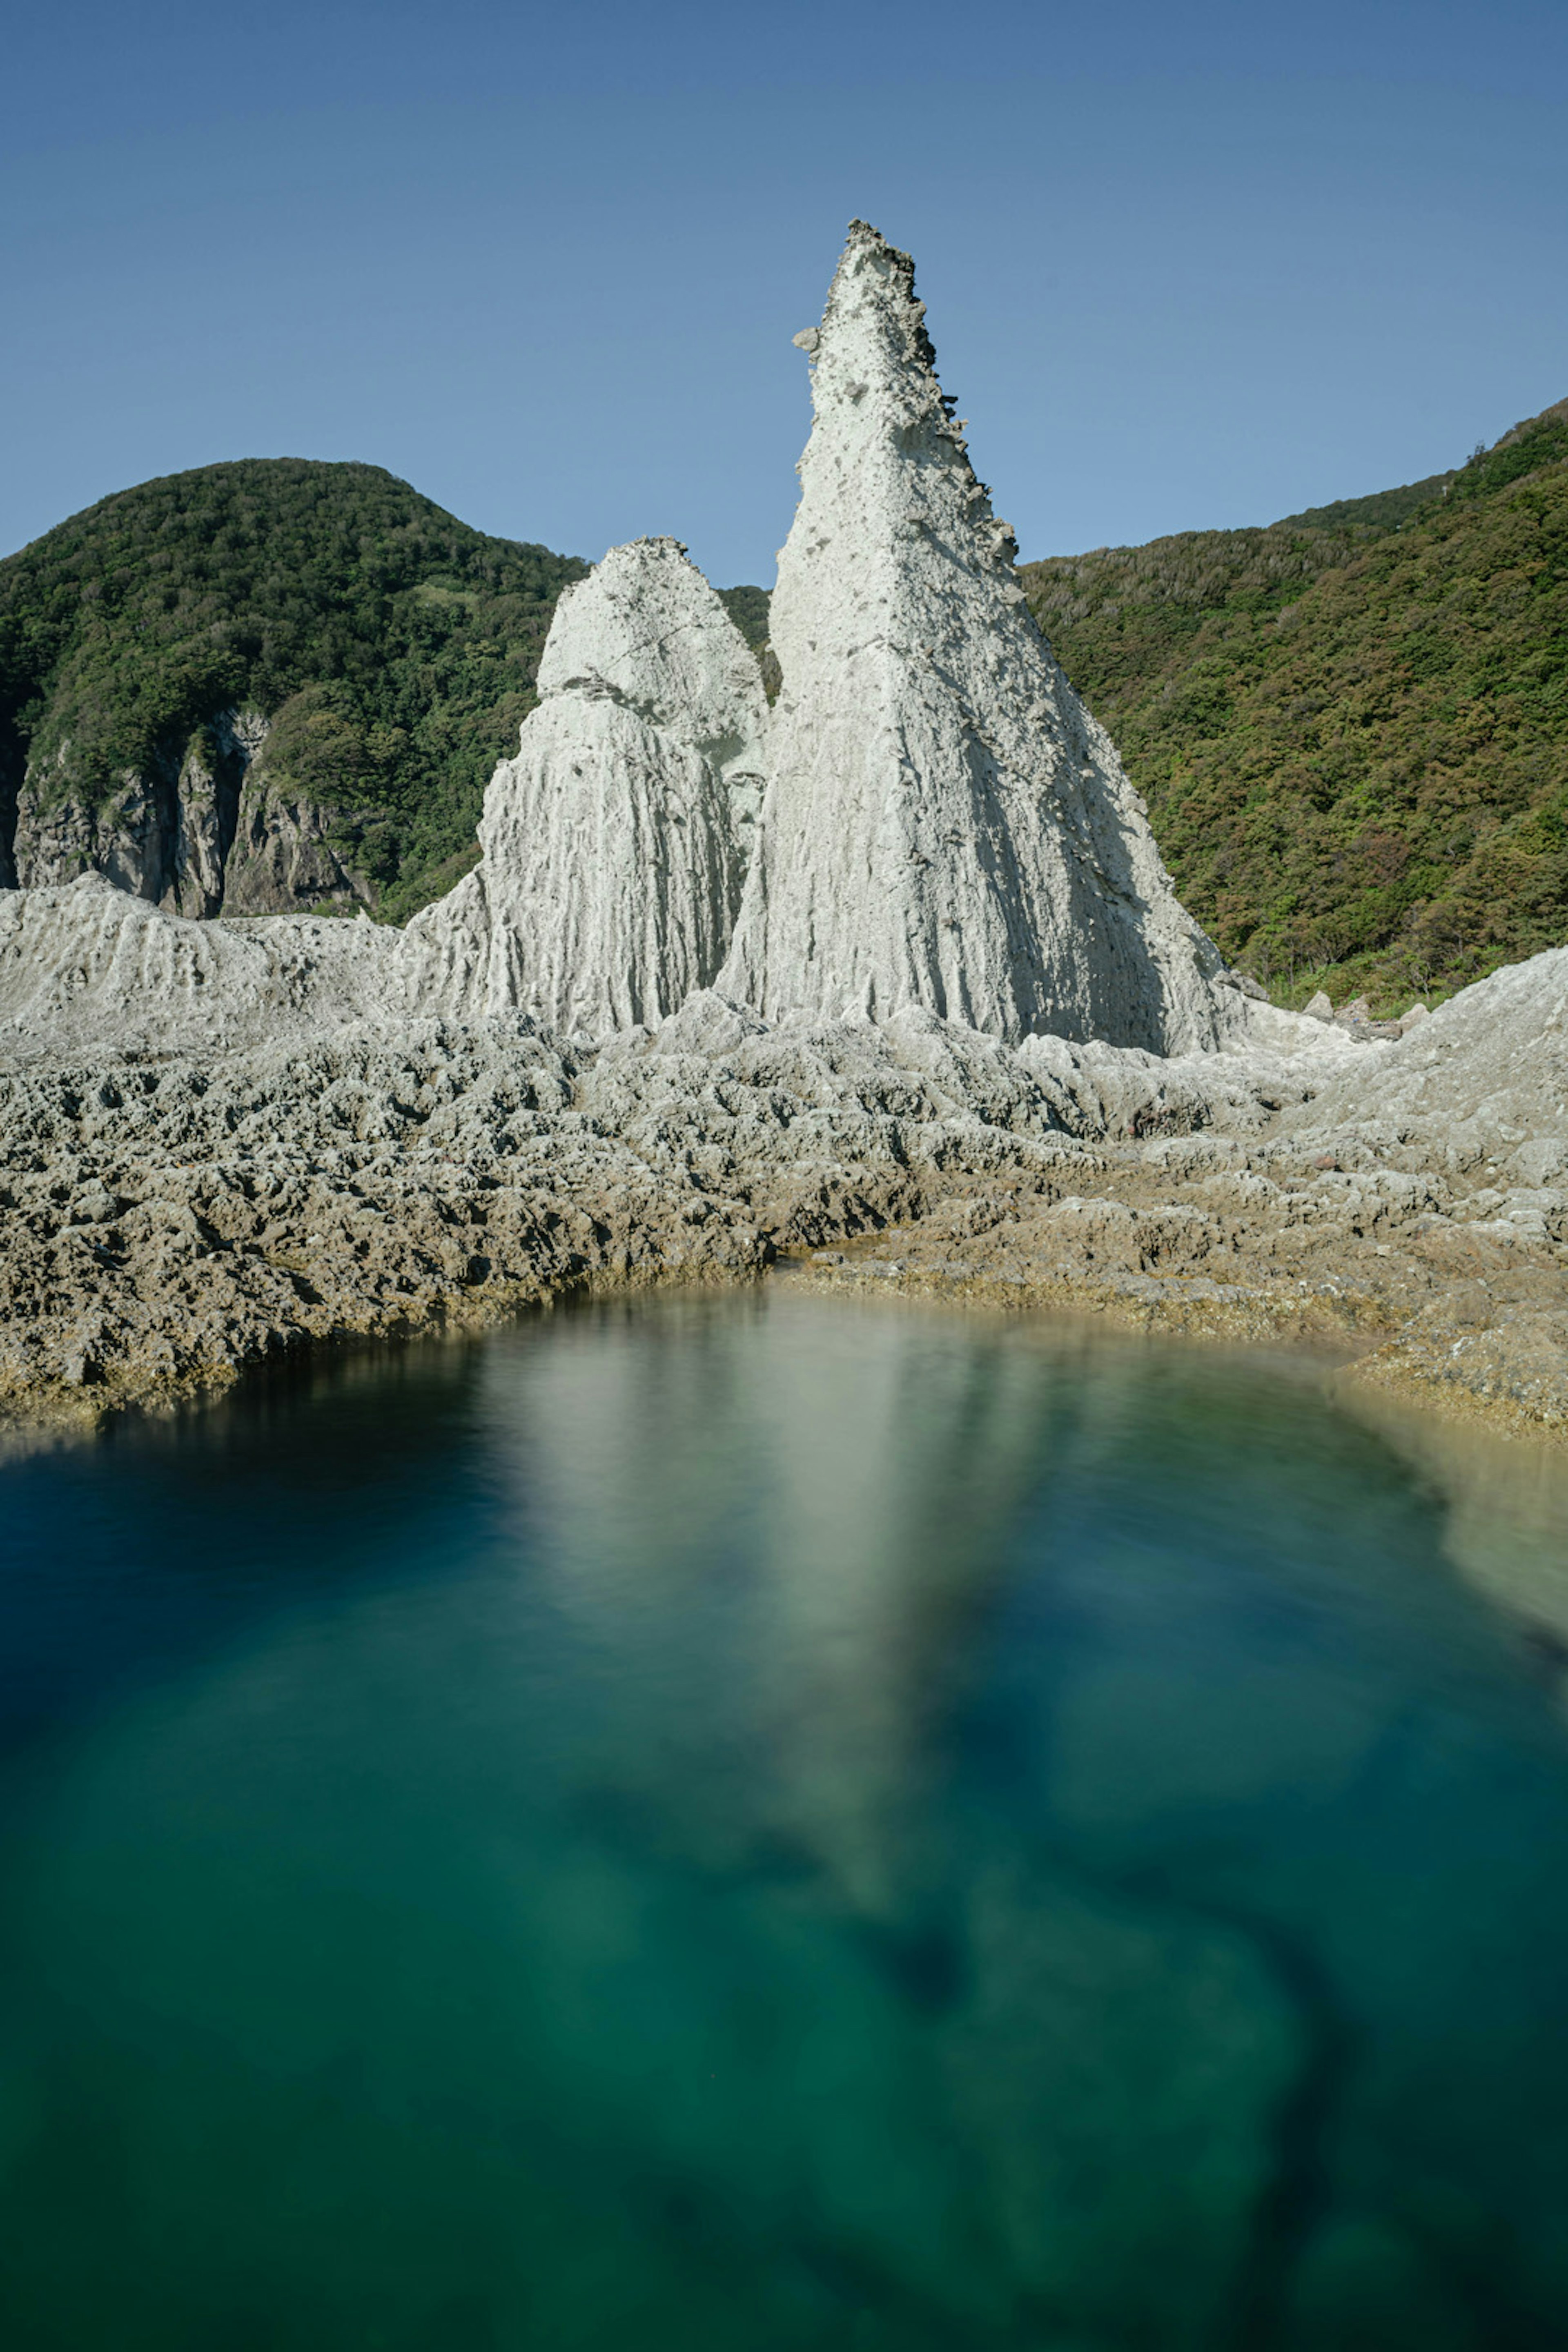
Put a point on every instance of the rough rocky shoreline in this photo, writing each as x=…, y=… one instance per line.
x=736, y=984
x=168, y=1219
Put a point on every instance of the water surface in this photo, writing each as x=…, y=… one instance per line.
x=764, y=1821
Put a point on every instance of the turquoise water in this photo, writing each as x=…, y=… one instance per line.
x=764, y=1822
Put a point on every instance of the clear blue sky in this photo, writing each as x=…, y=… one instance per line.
x=1185, y=266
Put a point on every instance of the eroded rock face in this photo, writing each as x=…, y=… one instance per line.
x=282, y=857
x=1483, y=1080
x=616, y=842
x=124, y=838
x=945, y=825
x=163, y=834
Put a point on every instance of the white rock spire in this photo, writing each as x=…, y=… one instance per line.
x=945, y=823
x=616, y=841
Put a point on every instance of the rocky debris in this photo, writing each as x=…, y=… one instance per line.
x=1357, y=1018
x=615, y=842
x=1479, y=1081
x=163, y=1221
x=945, y=823
x=166, y=1219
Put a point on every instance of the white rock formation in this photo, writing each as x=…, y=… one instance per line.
x=944, y=822
x=616, y=842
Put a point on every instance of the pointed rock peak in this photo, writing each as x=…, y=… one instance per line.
x=646, y=628
x=944, y=825
x=873, y=298
x=874, y=372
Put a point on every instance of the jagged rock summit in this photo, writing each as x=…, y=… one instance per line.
x=943, y=826
x=945, y=823
x=617, y=840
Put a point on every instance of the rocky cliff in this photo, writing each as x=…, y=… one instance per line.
x=945, y=823
x=213, y=830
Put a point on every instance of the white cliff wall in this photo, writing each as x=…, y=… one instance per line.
x=945, y=823
x=616, y=841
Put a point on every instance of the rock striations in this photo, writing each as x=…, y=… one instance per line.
x=615, y=842
x=729, y=984
x=944, y=825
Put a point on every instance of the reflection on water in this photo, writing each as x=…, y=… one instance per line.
x=764, y=1821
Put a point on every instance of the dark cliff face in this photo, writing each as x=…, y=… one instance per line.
x=261, y=686
x=13, y=761
x=216, y=832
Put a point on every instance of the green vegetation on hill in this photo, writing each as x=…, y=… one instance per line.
x=1350, y=728
x=393, y=649
x=748, y=608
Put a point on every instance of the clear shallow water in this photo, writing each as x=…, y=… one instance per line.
x=767, y=1823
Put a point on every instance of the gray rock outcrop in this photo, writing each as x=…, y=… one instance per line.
x=87, y=966
x=945, y=823
x=1484, y=1078
x=211, y=830
x=616, y=841
x=165, y=834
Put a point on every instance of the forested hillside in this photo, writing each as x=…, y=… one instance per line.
x=392, y=648
x=1351, y=727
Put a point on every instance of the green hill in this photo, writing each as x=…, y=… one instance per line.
x=1351, y=727
x=393, y=649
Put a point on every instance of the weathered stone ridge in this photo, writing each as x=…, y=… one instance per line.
x=88, y=967
x=945, y=823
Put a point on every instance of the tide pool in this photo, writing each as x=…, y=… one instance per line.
x=756, y=1820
